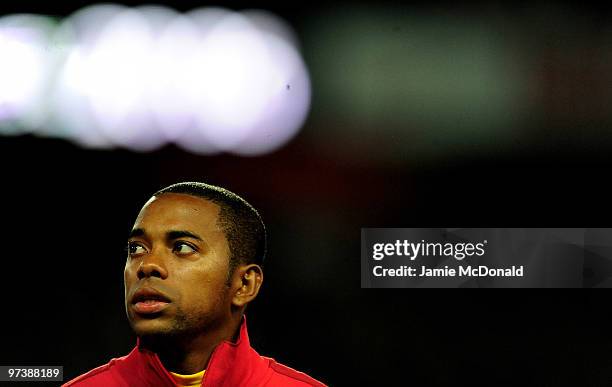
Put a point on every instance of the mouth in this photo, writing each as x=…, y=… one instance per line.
x=149, y=301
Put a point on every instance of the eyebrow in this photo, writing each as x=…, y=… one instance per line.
x=182, y=234
x=171, y=235
x=137, y=232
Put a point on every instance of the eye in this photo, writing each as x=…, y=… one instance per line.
x=183, y=248
x=134, y=248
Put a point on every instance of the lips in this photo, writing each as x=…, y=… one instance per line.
x=149, y=300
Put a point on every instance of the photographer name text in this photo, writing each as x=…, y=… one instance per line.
x=461, y=271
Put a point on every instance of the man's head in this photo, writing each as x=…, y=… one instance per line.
x=194, y=261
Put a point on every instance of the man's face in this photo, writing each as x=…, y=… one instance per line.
x=177, y=267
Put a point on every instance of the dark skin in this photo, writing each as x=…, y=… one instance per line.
x=177, y=248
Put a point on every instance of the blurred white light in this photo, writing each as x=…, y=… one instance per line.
x=239, y=74
x=287, y=105
x=114, y=74
x=211, y=80
x=172, y=69
x=233, y=81
x=190, y=31
x=170, y=47
x=72, y=115
x=24, y=67
x=268, y=23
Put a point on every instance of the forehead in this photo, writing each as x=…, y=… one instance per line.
x=178, y=211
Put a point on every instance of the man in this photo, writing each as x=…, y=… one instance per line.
x=194, y=263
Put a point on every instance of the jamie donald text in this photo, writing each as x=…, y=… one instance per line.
x=462, y=271
x=458, y=251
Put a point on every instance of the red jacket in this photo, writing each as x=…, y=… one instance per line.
x=231, y=365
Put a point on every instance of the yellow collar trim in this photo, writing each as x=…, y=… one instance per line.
x=188, y=380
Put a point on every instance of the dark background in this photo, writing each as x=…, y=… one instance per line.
x=66, y=212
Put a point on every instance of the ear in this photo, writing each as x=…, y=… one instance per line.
x=247, y=281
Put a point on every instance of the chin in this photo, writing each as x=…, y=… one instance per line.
x=143, y=328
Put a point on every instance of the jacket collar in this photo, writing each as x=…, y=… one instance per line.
x=230, y=364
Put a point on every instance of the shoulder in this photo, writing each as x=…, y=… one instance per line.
x=99, y=376
x=109, y=374
x=288, y=377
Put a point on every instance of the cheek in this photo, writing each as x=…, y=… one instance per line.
x=128, y=274
x=130, y=278
x=202, y=289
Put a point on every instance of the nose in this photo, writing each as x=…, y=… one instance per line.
x=152, y=266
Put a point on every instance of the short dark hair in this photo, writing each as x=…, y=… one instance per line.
x=240, y=221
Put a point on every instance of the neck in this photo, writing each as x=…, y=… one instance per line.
x=189, y=354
